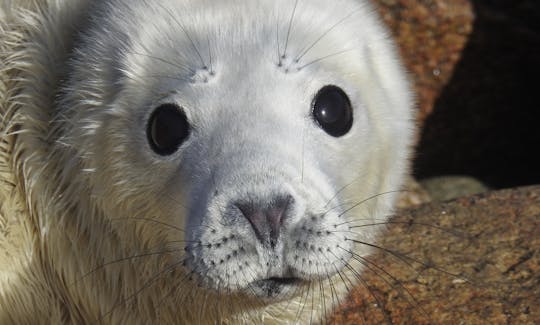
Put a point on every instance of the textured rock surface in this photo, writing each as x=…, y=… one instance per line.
x=481, y=267
x=431, y=36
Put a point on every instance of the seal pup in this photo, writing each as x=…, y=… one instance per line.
x=181, y=161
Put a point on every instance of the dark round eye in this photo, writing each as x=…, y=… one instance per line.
x=332, y=110
x=167, y=128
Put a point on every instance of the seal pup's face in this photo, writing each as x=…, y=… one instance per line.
x=261, y=128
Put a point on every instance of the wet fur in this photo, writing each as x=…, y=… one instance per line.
x=96, y=228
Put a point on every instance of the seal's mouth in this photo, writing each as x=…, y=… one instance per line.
x=282, y=281
x=276, y=287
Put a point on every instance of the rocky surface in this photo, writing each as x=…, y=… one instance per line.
x=431, y=35
x=475, y=260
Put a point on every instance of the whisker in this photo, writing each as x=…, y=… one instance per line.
x=149, y=220
x=288, y=306
x=174, y=288
x=303, y=301
x=323, y=298
x=210, y=56
x=300, y=303
x=312, y=304
x=409, y=223
x=279, y=62
x=333, y=291
x=202, y=307
x=250, y=287
x=173, y=17
x=182, y=67
x=123, y=259
x=362, y=202
x=199, y=278
x=170, y=197
x=162, y=76
x=400, y=287
x=369, y=289
x=341, y=190
x=350, y=282
x=174, y=200
x=405, y=258
x=130, y=75
x=306, y=50
x=345, y=278
x=323, y=58
x=289, y=29
x=303, y=149
x=148, y=283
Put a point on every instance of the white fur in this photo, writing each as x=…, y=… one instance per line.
x=80, y=182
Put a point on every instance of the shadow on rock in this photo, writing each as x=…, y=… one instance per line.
x=486, y=121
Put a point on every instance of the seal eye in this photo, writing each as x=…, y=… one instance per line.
x=332, y=111
x=167, y=129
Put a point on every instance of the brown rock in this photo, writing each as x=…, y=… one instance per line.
x=431, y=35
x=475, y=260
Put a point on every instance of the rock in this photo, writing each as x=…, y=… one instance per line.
x=472, y=63
x=444, y=188
x=475, y=260
x=431, y=35
x=413, y=194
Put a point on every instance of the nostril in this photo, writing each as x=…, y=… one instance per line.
x=255, y=217
x=266, y=217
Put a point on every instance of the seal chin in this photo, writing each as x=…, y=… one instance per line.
x=275, y=288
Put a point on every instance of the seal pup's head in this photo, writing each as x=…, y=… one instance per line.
x=240, y=140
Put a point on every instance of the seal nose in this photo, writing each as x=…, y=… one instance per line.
x=267, y=218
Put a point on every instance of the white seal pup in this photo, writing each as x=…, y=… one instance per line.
x=182, y=161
